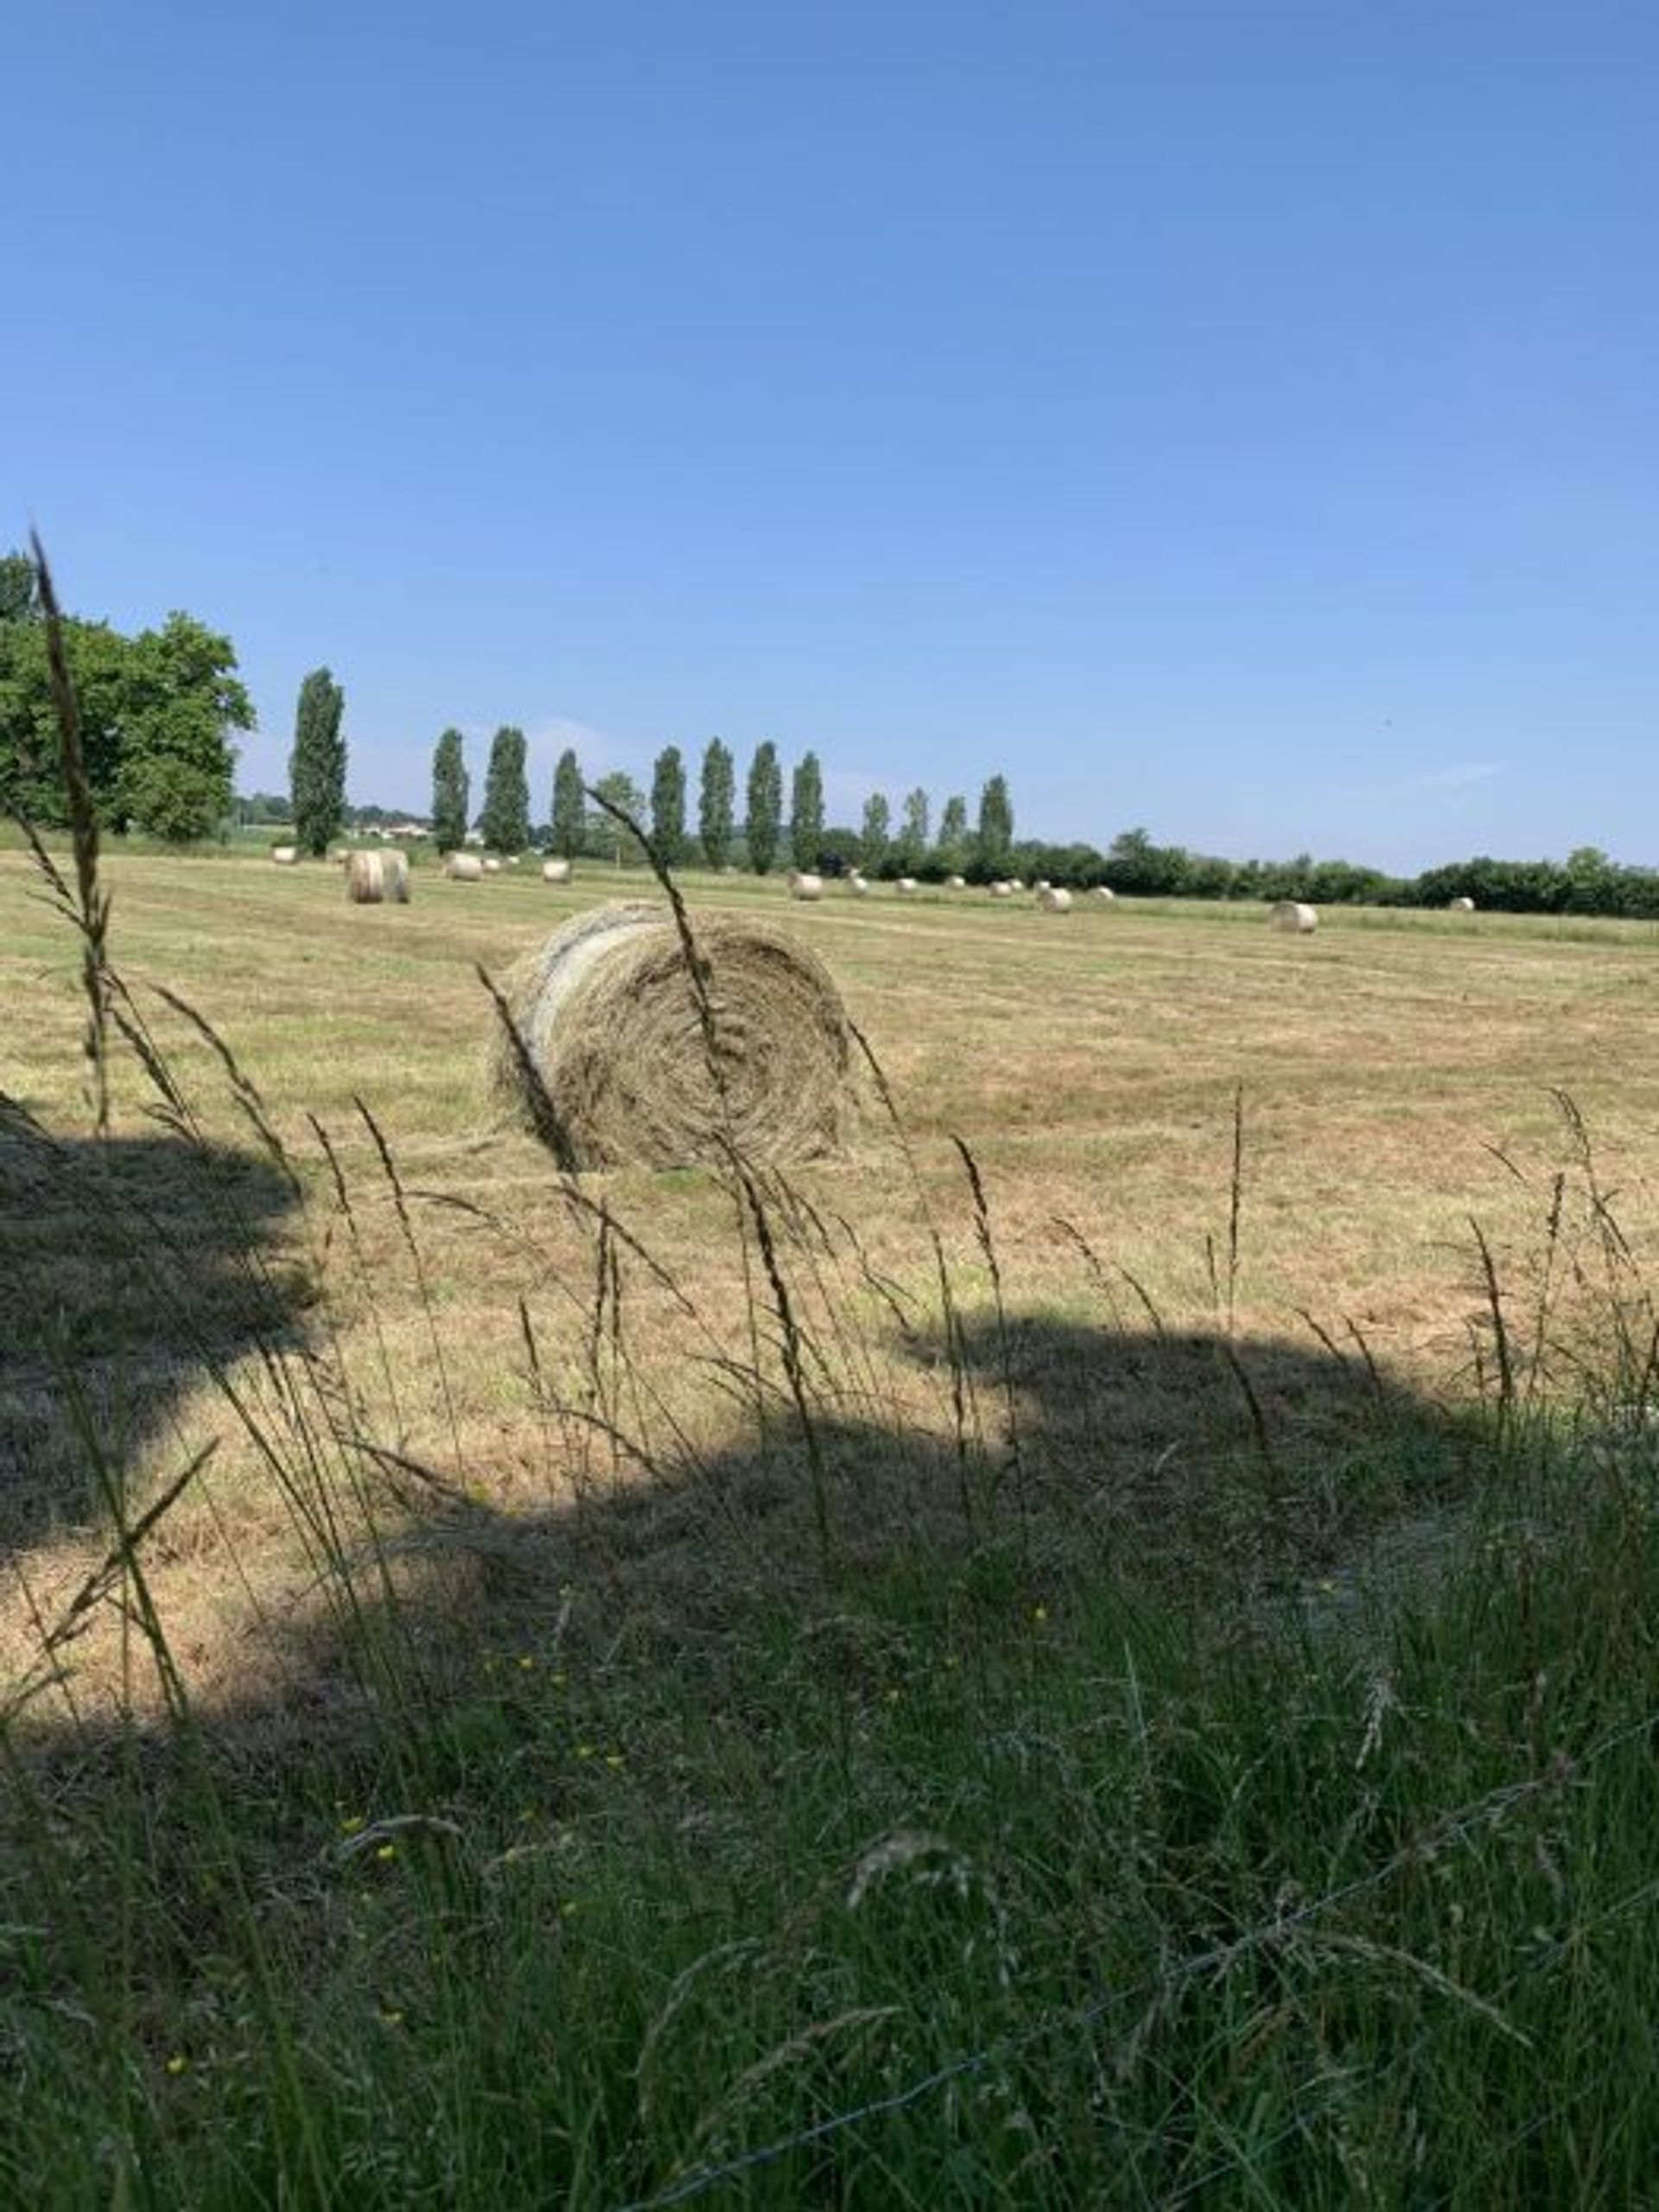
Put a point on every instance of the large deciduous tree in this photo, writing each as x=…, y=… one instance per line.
x=156, y=712
x=451, y=793
x=316, y=767
x=668, y=806
x=873, y=837
x=806, y=812
x=569, y=806
x=505, y=818
x=716, y=800
x=953, y=833
x=765, y=808
x=605, y=834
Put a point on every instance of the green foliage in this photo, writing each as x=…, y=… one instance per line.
x=873, y=838
x=765, y=813
x=451, y=793
x=505, y=818
x=715, y=804
x=910, y=848
x=668, y=806
x=952, y=849
x=605, y=836
x=996, y=824
x=156, y=711
x=806, y=812
x=317, y=765
x=569, y=823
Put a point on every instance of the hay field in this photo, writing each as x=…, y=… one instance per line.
x=1088, y=1060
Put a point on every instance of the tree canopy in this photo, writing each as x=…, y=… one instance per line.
x=157, y=713
x=316, y=767
x=505, y=818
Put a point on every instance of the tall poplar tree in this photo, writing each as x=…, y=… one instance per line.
x=316, y=767
x=451, y=789
x=872, y=838
x=505, y=818
x=569, y=806
x=953, y=833
x=765, y=808
x=995, y=822
x=714, y=803
x=668, y=806
x=806, y=812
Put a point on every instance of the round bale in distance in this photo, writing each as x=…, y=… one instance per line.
x=463, y=868
x=555, y=871
x=1052, y=900
x=1002, y=891
x=377, y=879
x=607, y=1059
x=806, y=886
x=1462, y=905
x=905, y=887
x=492, y=865
x=1104, y=891
x=1295, y=917
x=285, y=856
x=859, y=886
x=956, y=883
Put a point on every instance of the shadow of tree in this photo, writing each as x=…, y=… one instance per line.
x=129, y=1267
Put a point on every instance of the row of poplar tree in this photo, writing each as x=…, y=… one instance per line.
x=763, y=836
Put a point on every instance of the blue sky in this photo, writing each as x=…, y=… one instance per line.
x=1236, y=420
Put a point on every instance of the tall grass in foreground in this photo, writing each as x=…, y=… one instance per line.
x=951, y=1791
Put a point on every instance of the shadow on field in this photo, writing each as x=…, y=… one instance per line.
x=1216, y=1476
x=129, y=1269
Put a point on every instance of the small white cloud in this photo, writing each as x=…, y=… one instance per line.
x=1458, y=777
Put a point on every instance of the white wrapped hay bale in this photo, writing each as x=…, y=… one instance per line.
x=1294, y=917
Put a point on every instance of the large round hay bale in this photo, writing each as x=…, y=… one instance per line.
x=285, y=856
x=956, y=883
x=806, y=886
x=907, y=886
x=1462, y=905
x=555, y=871
x=1293, y=916
x=609, y=1060
x=859, y=885
x=1002, y=891
x=376, y=879
x=1104, y=891
x=1016, y=883
x=1052, y=900
x=463, y=868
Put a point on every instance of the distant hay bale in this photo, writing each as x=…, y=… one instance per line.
x=859, y=886
x=1104, y=891
x=377, y=879
x=1050, y=901
x=806, y=886
x=1002, y=891
x=1293, y=916
x=609, y=1063
x=1014, y=883
x=463, y=868
x=1041, y=883
x=1462, y=905
x=956, y=883
x=285, y=856
x=555, y=871
x=491, y=866
x=905, y=886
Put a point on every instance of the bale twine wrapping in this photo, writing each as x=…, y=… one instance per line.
x=1462, y=905
x=285, y=856
x=1052, y=901
x=376, y=879
x=555, y=871
x=806, y=886
x=1292, y=915
x=617, y=1070
x=463, y=868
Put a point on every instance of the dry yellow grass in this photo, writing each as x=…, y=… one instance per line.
x=1091, y=1072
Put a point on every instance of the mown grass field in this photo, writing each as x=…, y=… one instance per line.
x=601, y=1711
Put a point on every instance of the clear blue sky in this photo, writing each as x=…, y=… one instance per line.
x=1236, y=419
